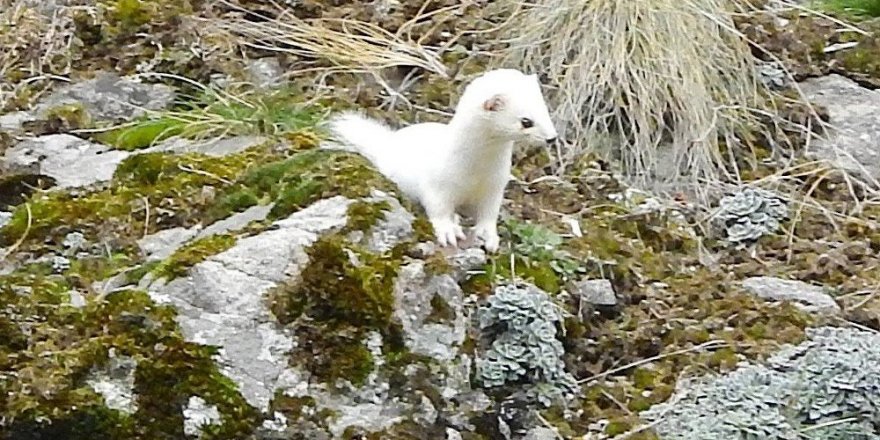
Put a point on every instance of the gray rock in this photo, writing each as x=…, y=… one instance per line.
x=109, y=97
x=71, y=161
x=197, y=415
x=854, y=112
x=806, y=296
x=14, y=121
x=237, y=221
x=5, y=218
x=162, y=244
x=597, y=292
x=416, y=293
x=541, y=433
x=116, y=383
x=265, y=72
x=76, y=299
x=213, y=147
x=221, y=301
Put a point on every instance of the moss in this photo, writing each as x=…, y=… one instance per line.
x=142, y=134
x=440, y=310
x=148, y=192
x=60, y=119
x=305, y=178
x=49, y=347
x=193, y=253
x=364, y=215
x=345, y=292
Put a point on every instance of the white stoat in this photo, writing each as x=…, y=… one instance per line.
x=461, y=167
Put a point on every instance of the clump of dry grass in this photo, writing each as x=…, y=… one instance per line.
x=663, y=85
x=331, y=45
x=36, y=45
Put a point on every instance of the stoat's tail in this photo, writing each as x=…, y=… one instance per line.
x=352, y=131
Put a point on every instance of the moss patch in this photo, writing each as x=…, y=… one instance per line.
x=304, y=178
x=193, y=253
x=345, y=292
x=48, y=348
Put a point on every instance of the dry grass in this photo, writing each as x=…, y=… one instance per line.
x=333, y=45
x=36, y=47
x=661, y=85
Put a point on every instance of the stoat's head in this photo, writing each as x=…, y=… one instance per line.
x=511, y=105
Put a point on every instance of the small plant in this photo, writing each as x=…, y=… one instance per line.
x=536, y=245
x=217, y=113
x=521, y=323
x=854, y=8
x=751, y=214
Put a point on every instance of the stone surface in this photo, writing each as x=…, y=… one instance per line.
x=854, y=111
x=221, y=302
x=237, y=221
x=596, y=292
x=162, y=244
x=265, y=72
x=806, y=296
x=417, y=295
x=214, y=147
x=109, y=97
x=71, y=161
x=116, y=383
x=197, y=415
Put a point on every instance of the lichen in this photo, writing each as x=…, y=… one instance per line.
x=750, y=214
x=520, y=325
x=825, y=387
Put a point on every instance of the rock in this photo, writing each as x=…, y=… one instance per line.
x=430, y=310
x=197, y=415
x=596, y=292
x=215, y=147
x=69, y=160
x=162, y=244
x=854, y=112
x=541, y=433
x=76, y=299
x=109, y=97
x=221, y=301
x=14, y=121
x=237, y=221
x=806, y=296
x=5, y=218
x=116, y=383
x=265, y=72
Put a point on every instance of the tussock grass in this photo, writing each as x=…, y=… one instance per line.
x=666, y=86
x=332, y=45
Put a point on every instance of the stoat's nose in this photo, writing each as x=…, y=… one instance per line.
x=551, y=141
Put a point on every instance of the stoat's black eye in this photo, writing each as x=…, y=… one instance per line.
x=527, y=123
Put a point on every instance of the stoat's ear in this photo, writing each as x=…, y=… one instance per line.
x=494, y=104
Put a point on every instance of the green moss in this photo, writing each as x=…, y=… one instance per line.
x=49, y=348
x=364, y=215
x=193, y=253
x=305, y=178
x=852, y=8
x=440, y=310
x=148, y=192
x=345, y=292
x=61, y=119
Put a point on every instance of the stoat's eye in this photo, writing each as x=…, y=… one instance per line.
x=527, y=123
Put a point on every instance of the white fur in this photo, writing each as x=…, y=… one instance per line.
x=461, y=167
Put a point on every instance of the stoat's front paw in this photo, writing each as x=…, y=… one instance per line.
x=448, y=234
x=490, y=238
